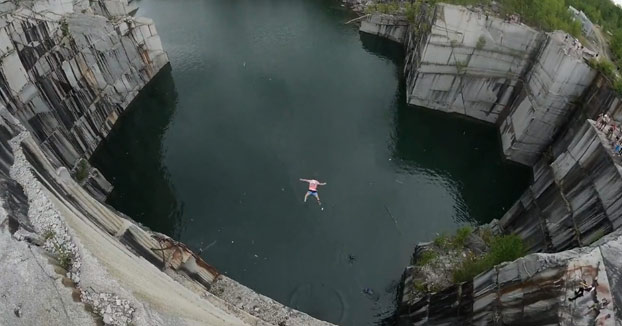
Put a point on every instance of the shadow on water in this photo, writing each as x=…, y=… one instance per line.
x=467, y=139
x=470, y=142
x=140, y=137
x=383, y=48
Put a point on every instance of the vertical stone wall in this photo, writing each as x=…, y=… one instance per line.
x=468, y=63
x=69, y=68
x=558, y=78
x=391, y=27
x=497, y=71
x=574, y=200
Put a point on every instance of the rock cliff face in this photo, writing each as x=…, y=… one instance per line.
x=68, y=70
x=391, y=27
x=537, y=88
x=534, y=290
x=525, y=81
x=461, y=61
x=574, y=200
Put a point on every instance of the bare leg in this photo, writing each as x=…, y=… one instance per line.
x=318, y=199
x=306, y=195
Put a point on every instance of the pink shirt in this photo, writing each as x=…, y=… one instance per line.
x=313, y=185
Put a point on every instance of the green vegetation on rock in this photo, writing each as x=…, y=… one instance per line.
x=481, y=43
x=442, y=241
x=608, y=69
x=82, y=170
x=502, y=248
x=426, y=257
x=446, y=242
x=462, y=234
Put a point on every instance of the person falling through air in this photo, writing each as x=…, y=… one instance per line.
x=313, y=189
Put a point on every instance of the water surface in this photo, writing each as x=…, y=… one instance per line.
x=262, y=93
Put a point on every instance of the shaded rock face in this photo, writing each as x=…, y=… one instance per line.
x=69, y=69
x=394, y=28
x=539, y=289
x=466, y=62
x=574, y=200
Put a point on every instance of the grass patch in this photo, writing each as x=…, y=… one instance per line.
x=442, y=241
x=64, y=256
x=608, y=69
x=419, y=286
x=426, y=257
x=460, y=66
x=411, y=10
x=462, y=234
x=604, y=66
x=48, y=234
x=502, y=248
x=383, y=8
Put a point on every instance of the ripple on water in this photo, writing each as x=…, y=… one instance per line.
x=320, y=301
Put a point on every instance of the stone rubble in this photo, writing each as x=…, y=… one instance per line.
x=57, y=240
x=114, y=310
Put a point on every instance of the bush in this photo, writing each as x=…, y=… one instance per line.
x=481, y=43
x=604, y=66
x=469, y=268
x=82, y=170
x=462, y=234
x=461, y=66
x=411, y=10
x=502, y=248
x=506, y=248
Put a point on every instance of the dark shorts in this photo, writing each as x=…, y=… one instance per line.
x=312, y=193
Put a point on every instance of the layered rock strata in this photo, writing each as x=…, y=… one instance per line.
x=68, y=70
x=539, y=289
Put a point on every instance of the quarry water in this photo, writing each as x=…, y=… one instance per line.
x=262, y=93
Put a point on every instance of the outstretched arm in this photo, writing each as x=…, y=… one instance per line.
x=322, y=183
x=305, y=180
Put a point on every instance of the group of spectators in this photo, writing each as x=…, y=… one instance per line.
x=612, y=131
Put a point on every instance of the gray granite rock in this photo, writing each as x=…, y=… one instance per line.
x=465, y=61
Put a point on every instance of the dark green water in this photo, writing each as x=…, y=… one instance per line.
x=262, y=93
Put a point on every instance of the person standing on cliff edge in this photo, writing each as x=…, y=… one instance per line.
x=313, y=189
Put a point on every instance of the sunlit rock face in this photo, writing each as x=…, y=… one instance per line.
x=471, y=63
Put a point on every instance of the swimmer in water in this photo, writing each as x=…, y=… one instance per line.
x=313, y=189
